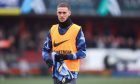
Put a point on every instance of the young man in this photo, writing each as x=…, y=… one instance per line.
x=67, y=43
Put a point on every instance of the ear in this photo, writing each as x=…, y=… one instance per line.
x=69, y=12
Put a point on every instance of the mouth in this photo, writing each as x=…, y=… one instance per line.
x=62, y=19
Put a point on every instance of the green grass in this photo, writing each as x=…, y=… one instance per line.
x=81, y=80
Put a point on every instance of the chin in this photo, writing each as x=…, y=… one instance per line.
x=62, y=21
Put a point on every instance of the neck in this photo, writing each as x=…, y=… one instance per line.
x=65, y=24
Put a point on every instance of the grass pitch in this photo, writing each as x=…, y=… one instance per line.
x=80, y=80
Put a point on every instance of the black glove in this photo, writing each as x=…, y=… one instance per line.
x=60, y=57
x=66, y=81
x=49, y=63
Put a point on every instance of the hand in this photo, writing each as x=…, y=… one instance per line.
x=49, y=63
x=60, y=57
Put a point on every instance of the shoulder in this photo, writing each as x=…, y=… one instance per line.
x=54, y=26
x=77, y=27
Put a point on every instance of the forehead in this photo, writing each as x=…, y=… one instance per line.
x=62, y=9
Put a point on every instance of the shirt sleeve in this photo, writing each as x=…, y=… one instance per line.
x=47, y=47
x=81, y=47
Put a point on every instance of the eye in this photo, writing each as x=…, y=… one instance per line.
x=64, y=12
x=59, y=12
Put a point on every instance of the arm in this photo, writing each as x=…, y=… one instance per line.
x=81, y=47
x=46, y=50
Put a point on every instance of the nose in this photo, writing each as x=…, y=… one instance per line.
x=61, y=14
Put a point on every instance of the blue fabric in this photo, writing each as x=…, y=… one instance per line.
x=47, y=48
x=80, y=44
x=61, y=72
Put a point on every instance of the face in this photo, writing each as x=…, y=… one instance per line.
x=63, y=13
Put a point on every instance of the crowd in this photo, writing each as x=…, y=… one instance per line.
x=117, y=36
x=22, y=36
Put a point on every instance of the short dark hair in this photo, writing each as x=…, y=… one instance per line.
x=64, y=5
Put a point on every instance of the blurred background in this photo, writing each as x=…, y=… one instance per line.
x=111, y=29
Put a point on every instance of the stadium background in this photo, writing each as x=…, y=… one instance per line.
x=111, y=28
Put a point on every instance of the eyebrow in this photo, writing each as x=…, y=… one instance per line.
x=61, y=12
